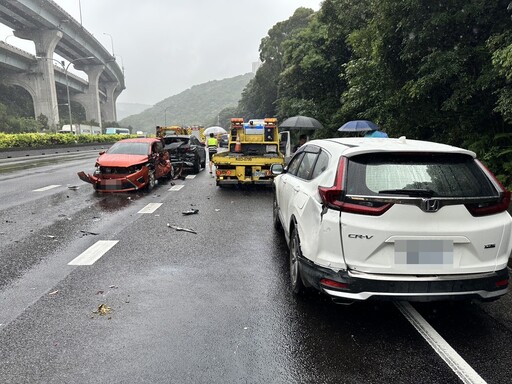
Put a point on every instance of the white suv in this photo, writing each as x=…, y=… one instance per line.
x=393, y=219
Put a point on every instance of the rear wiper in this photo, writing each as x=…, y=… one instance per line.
x=409, y=192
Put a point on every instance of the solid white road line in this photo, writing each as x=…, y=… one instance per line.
x=448, y=354
x=190, y=177
x=46, y=188
x=176, y=187
x=150, y=208
x=93, y=253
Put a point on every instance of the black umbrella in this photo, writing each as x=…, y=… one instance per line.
x=301, y=122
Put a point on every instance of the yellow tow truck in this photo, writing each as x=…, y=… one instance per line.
x=196, y=130
x=252, y=148
x=162, y=131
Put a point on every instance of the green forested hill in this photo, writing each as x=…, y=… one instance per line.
x=438, y=71
x=198, y=105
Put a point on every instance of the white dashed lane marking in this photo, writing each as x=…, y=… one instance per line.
x=93, y=253
x=190, y=177
x=176, y=187
x=150, y=208
x=458, y=365
x=46, y=188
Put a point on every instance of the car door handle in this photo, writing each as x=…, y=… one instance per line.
x=296, y=189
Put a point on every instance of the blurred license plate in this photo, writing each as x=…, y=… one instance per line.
x=424, y=252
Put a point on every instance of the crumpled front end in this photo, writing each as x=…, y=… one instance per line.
x=117, y=179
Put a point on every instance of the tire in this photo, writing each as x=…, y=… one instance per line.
x=170, y=175
x=275, y=216
x=197, y=165
x=297, y=284
x=151, y=180
x=203, y=163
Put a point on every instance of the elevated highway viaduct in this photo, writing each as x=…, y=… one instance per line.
x=53, y=30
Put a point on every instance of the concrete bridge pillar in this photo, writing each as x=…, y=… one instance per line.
x=41, y=80
x=108, y=109
x=91, y=99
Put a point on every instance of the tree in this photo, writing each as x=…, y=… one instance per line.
x=259, y=97
x=43, y=122
x=428, y=68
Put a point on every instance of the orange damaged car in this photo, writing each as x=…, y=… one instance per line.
x=130, y=164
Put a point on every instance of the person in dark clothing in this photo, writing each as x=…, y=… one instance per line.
x=302, y=141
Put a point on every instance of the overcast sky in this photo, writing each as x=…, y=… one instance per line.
x=167, y=46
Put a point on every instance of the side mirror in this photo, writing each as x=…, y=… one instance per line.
x=276, y=169
x=102, y=152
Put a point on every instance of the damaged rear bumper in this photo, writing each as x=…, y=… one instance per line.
x=356, y=286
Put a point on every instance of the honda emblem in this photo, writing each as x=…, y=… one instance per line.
x=430, y=205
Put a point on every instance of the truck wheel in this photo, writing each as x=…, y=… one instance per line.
x=203, y=163
x=297, y=285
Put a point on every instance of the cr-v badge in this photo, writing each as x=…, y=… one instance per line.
x=354, y=236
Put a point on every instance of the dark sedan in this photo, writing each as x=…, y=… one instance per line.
x=186, y=151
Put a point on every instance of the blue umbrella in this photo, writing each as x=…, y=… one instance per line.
x=376, y=134
x=358, y=126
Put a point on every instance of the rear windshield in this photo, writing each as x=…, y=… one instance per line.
x=174, y=139
x=443, y=175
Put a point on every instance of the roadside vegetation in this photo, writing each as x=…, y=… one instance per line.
x=437, y=71
x=40, y=140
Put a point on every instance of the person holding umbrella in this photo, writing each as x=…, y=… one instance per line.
x=377, y=133
x=302, y=141
x=213, y=144
x=369, y=128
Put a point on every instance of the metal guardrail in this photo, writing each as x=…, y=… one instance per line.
x=13, y=153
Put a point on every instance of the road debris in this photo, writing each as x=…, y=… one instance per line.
x=53, y=293
x=217, y=210
x=73, y=187
x=103, y=310
x=89, y=233
x=191, y=211
x=181, y=228
x=50, y=236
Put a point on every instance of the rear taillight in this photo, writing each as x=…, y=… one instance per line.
x=490, y=208
x=333, y=284
x=485, y=209
x=502, y=283
x=333, y=197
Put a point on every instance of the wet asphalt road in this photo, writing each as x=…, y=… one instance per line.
x=211, y=307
